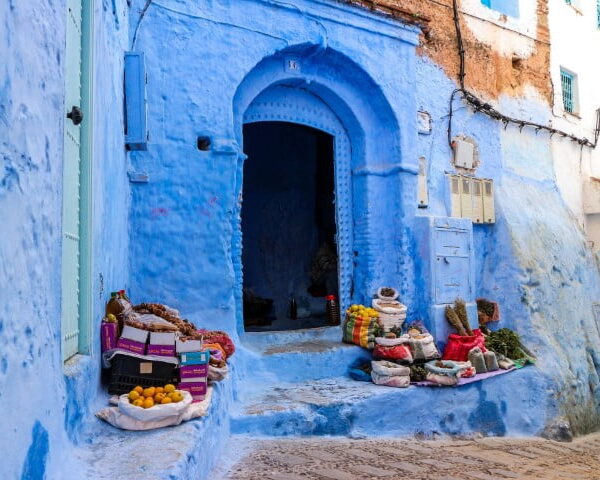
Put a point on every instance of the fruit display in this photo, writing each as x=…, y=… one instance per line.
x=362, y=312
x=151, y=396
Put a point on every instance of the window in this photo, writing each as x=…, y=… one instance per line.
x=568, y=81
x=507, y=7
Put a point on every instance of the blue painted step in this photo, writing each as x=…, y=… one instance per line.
x=509, y=404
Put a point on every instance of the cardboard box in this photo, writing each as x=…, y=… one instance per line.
x=161, y=350
x=132, y=345
x=191, y=371
x=135, y=334
x=188, y=346
x=108, y=335
x=196, y=389
x=195, y=358
x=163, y=338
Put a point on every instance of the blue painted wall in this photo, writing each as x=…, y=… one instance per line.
x=176, y=239
x=48, y=414
x=185, y=245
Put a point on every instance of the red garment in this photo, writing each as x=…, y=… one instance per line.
x=458, y=347
x=217, y=336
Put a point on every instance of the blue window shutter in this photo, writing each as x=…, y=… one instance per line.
x=567, y=81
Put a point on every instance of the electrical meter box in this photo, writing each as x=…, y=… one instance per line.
x=446, y=252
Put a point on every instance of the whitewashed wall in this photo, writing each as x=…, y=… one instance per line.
x=575, y=38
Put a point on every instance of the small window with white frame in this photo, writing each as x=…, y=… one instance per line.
x=568, y=82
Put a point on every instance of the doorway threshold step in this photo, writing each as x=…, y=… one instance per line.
x=513, y=404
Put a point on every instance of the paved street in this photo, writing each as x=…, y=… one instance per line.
x=386, y=459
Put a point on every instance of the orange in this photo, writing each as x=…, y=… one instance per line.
x=159, y=397
x=169, y=388
x=166, y=400
x=148, y=402
x=138, y=403
x=177, y=397
x=160, y=390
x=149, y=392
x=139, y=389
x=134, y=395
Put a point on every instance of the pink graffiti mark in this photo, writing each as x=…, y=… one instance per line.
x=159, y=212
x=212, y=201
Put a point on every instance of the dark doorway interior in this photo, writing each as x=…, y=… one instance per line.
x=288, y=225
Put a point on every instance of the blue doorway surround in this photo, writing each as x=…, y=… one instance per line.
x=320, y=88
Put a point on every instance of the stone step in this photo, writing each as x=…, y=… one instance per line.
x=503, y=405
x=298, y=356
x=190, y=450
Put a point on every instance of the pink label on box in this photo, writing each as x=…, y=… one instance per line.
x=195, y=388
x=108, y=336
x=131, y=345
x=190, y=371
x=162, y=350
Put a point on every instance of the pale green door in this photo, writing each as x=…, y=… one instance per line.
x=71, y=184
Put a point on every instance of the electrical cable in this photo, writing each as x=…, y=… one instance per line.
x=479, y=105
x=137, y=27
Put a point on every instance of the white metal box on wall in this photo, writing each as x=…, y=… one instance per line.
x=472, y=198
x=445, y=247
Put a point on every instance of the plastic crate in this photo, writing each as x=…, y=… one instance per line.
x=126, y=372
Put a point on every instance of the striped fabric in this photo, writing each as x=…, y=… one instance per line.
x=359, y=331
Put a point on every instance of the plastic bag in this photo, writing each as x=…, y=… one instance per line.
x=120, y=418
x=150, y=322
x=458, y=347
x=397, y=353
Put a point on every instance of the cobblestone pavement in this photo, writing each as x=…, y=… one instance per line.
x=387, y=459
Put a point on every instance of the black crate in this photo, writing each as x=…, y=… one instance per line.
x=126, y=372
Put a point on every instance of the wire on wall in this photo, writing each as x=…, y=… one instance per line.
x=481, y=106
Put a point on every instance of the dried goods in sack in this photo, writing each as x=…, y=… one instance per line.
x=459, y=346
x=390, y=374
x=453, y=320
x=394, y=349
x=392, y=313
x=444, y=373
x=360, y=329
x=421, y=343
x=461, y=311
x=477, y=360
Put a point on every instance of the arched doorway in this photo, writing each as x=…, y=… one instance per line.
x=323, y=89
x=289, y=255
x=296, y=202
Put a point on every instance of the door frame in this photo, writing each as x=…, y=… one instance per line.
x=86, y=191
x=295, y=105
x=85, y=310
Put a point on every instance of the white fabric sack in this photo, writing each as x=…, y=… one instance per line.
x=391, y=369
x=398, y=381
x=129, y=417
x=392, y=342
x=445, y=380
x=392, y=313
x=423, y=347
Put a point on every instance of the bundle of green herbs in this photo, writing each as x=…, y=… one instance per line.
x=507, y=343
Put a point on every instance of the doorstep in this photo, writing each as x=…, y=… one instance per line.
x=189, y=450
x=513, y=404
